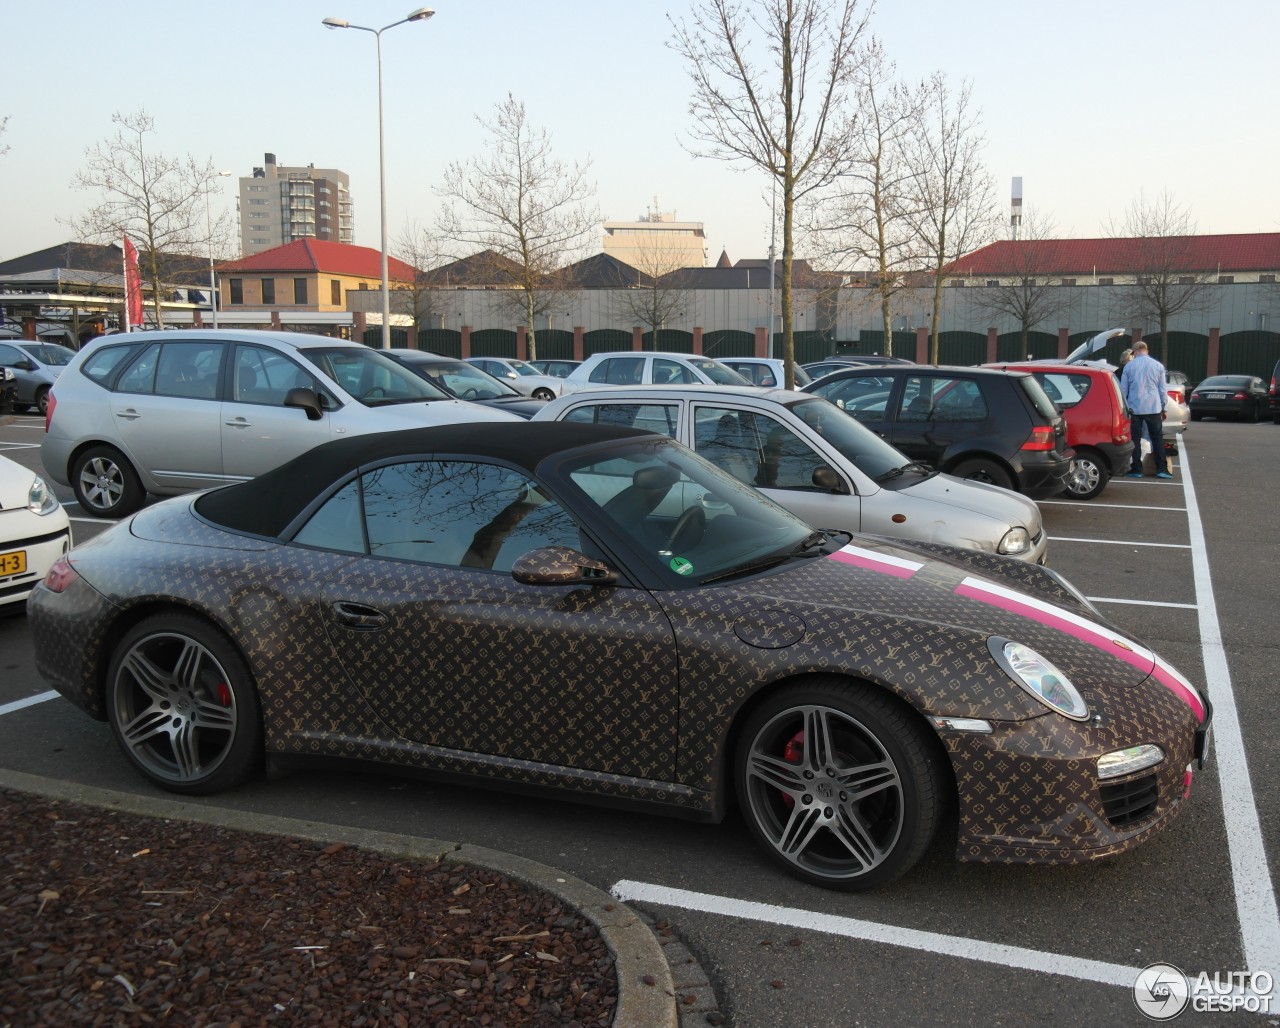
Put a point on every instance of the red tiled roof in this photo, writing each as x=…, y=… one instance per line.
x=323, y=255
x=1257, y=251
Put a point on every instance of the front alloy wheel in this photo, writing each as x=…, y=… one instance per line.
x=182, y=706
x=839, y=784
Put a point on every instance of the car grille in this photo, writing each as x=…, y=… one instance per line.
x=1127, y=802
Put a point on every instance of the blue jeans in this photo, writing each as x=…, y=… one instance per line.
x=1153, y=423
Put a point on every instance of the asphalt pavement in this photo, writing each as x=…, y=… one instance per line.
x=1183, y=564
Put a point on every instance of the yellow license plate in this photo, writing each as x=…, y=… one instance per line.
x=14, y=563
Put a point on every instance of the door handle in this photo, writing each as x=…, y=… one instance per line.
x=238, y=423
x=357, y=615
x=128, y=415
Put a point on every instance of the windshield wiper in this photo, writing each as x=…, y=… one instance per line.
x=913, y=465
x=812, y=545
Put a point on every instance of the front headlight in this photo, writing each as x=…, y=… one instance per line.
x=1016, y=540
x=1039, y=677
x=41, y=499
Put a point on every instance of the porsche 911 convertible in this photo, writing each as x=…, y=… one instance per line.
x=596, y=612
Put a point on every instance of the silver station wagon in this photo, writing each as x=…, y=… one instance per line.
x=811, y=458
x=165, y=412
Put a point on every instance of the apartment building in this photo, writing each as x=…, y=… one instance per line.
x=281, y=204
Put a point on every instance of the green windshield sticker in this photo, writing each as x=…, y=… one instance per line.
x=681, y=566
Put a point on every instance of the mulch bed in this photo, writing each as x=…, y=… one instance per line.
x=109, y=918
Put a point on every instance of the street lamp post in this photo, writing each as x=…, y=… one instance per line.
x=421, y=14
x=208, y=230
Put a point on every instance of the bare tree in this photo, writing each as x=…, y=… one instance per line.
x=661, y=289
x=520, y=203
x=1027, y=290
x=771, y=81
x=422, y=250
x=954, y=202
x=866, y=219
x=1158, y=246
x=156, y=200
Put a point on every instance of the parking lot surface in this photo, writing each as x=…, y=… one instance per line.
x=1182, y=564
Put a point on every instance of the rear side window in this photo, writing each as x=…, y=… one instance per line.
x=666, y=372
x=1064, y=389
x=189, y=370
x=140, y=376
x=619, y=371
x=652, y=417
x=100, y=366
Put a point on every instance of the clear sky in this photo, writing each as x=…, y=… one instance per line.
x=1089, y=102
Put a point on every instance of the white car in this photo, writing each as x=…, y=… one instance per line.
x=34, y=531
x=807, y=455
x=521, y=376
x=638, y=367
x=766, y=371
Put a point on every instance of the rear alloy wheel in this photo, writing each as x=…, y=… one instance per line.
x=105, y=483
x=1089, y=476
x=183, y=707
x=543, y=393
x=840, y=784
x=979, y=469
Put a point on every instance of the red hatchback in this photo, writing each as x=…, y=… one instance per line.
x=1097, y=421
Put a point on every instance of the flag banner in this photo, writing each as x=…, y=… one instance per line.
x=132, y=286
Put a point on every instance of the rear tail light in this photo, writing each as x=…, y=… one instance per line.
x=1175, y=395
x=61, y=575
x=1273, y=387
x=1041, y=438
x=1240, y=396
x=48, y=411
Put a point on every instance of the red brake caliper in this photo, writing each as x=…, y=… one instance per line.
x=792, y=753
x=224, y=694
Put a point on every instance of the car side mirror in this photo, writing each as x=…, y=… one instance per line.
x=560, y=565
x=24, y=365
x=828, y=481
x=306, y=399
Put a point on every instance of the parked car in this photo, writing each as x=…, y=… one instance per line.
x=8, y=390
x=769, y=372
x=648, y=368
x=556, y=367
x=1098, y=424
x=520, y=375
x=1273, y=395
x=34, y=532
x=464, y=381
x=825, y=468
x=816, y=369
x=977, y=423
x=593, y=612
x=1177, y=414
x=164, y=412
x=35, y=366
x=1241, y=397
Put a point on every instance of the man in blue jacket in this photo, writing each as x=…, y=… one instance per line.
x=1146, y=392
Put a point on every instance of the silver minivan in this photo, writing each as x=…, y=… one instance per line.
x=822, y=465
x=165, y=412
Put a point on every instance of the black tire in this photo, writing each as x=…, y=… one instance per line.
x=183, y=706
x=42, y=400
x=105, y=483
x=1089, y=475
x=799, y=804
x=543, y=393
x=979, y=469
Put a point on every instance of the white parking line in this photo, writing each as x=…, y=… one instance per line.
x=1119, y=506
x=1142, y=603
x=1117, y=542
x=1250, y=873
x=30, y=701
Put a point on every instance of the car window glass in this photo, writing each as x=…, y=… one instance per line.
x=619, y=371
x=1064, y=389
x=261, y=375
x=669, y=372
x=466, y=381
x=337, y=525
x=101, y=365
x=460, y=513
x=717, y=372
x=371, y=377
x=139, y=376
x=1043, y=405
x=51, y=354
x=866, y=397
x=10, y=355
x=189, y=370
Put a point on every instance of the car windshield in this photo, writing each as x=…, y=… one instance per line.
x=374, y=379
x=463, y=380
x=690, y=520
x=718, y=373
x=50, y=354
x=521, y=368
x=856, y=443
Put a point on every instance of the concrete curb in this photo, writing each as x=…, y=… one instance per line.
x=637, y=952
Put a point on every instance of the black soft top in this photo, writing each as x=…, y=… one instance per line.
x=266, y=505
